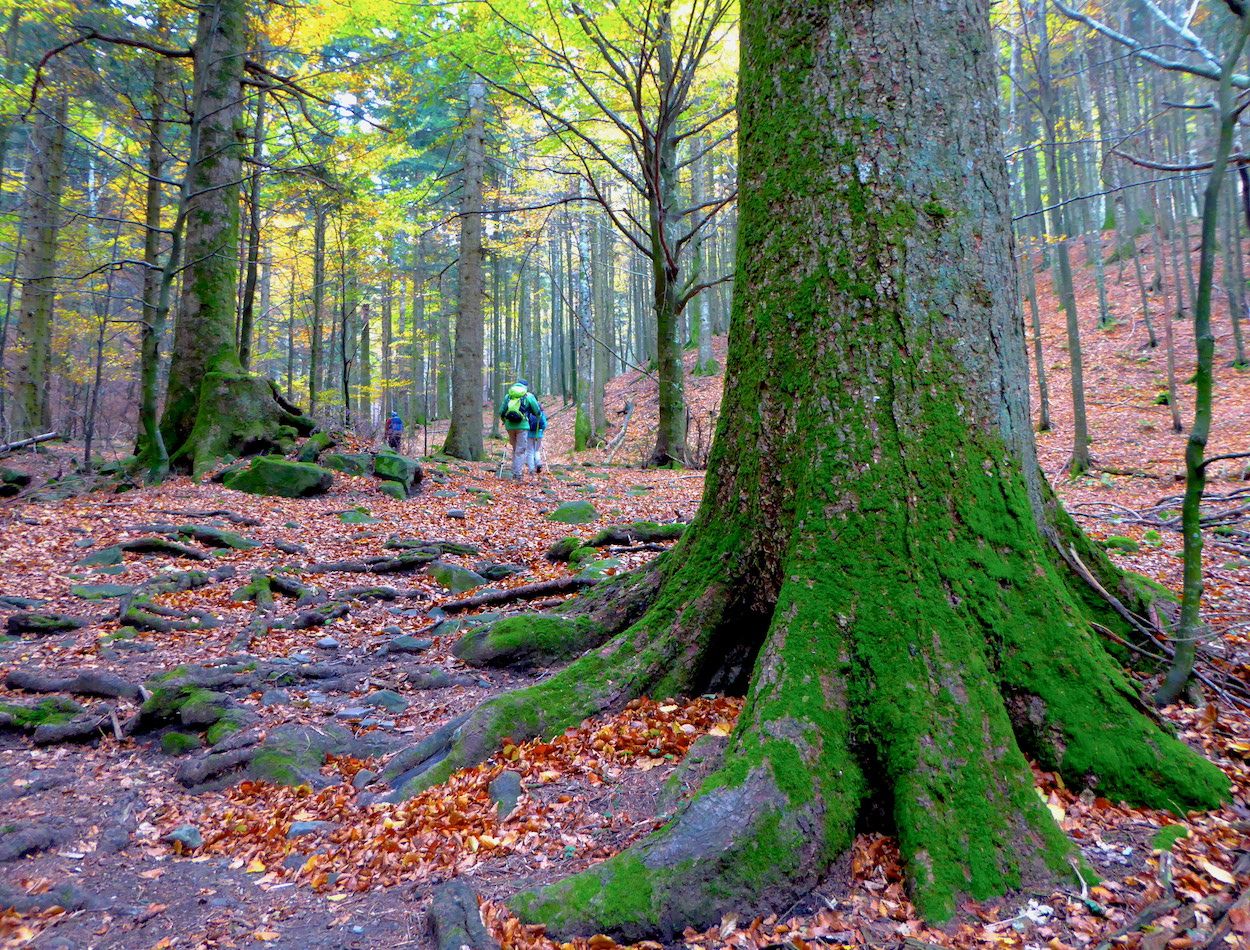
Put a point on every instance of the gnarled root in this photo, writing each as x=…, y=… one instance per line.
x=651, y=656
x=890, y=679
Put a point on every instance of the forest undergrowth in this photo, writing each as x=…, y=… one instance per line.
x=127, y=837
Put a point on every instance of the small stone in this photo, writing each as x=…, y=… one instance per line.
x=387, y=699
x=300, y=828
x=457, y=513
x=506, y=791
x=407, y=644
x=352, y=712
x=274, y=697
x=301, y=657
x=186, y=835
x=394, y=630
x=327, y=643
x=363, y=778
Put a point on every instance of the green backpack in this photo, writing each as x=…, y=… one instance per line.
x=512, y=412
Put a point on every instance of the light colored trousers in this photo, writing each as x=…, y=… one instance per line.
x=519, y=440
x=536, y=452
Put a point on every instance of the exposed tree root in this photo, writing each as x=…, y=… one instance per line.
x=493, y=598
x=83, y=683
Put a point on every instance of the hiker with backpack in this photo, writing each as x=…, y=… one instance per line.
x=394, y=430
x=538, y=428
x=516, y=410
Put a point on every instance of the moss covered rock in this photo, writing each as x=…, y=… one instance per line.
x=393, y=490
x=358, y=463
x=179, y=743
x=268, y=475
x=105, y=557
x=393, y=467
x=455, y=578
x=317, y=443
x=574, y=512
x=12, y=481
x=638, y=532
x=1119, y=543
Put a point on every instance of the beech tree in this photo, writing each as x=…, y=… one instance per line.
x=878, y=561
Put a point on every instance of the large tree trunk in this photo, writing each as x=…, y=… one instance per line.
x=41, y=214
x=464, y=437
x=214, y=407
x=874, y=558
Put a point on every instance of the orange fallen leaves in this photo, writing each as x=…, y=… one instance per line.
x=454, y=826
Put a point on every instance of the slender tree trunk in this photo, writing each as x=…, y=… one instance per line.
x=420, y=335
x=1168, y=320
x=1035, y=324
x=318, y=307
x=1191, y=628
x=45, y=181
x=151, y=446
x=583, y=305
x=364, y=389
x=248, y=308
x=1234, y=278
x=388, y=332
x=603, y=271
x=1059, y=234
x=664, y=212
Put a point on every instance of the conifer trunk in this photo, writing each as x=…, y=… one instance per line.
x=151, y=447
x=464, y=437
x=45, y=180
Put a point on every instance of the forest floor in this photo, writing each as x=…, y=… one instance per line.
x=84, y=851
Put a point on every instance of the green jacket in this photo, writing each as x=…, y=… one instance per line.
x=528, y=405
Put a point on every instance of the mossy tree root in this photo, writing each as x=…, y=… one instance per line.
x=236, y=414
x=904, y=680
x=580, y=624
x=655, y=656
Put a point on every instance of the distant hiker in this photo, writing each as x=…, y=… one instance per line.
x=515, y=411
x=538, y=428
x=394, y=430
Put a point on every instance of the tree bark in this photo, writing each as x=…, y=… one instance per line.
x=151, y=446
x=1191, y=628
x=214, y=407
x=45, y=181
x=872, y=560
x=318, y=306
x=665, y=216
x=247, y=311
x=1060, y=232
x=464, y=437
